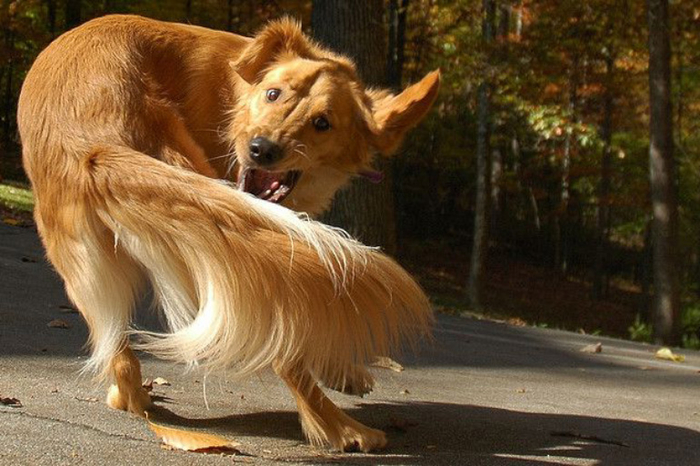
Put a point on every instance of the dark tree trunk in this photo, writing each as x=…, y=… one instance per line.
x=51, y=17
x=229, y=16
x=483, y=170
x=498, y=154
x=188, y=10
x=603, y=214
x=355, y=28
x=664, y=200
x=73, y=13
x=7, y=128
x=397, y=41
x=563, y=219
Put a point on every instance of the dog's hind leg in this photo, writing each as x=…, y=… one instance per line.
x=323, y=422
x=127, y=393
x=102, y=281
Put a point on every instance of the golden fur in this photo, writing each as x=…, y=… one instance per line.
x=128, y=127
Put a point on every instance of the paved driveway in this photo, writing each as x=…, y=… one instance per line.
x=481, y=394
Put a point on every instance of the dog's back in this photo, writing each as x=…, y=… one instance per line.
x=156, y=87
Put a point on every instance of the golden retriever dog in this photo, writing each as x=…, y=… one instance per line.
x=171, y=155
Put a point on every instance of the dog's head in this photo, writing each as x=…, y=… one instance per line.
x=304, y=122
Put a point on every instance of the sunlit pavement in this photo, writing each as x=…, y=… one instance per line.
x=480, y=393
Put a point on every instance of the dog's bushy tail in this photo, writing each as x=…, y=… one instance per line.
x=245, y=283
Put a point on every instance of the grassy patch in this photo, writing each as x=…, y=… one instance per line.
x=16, y=197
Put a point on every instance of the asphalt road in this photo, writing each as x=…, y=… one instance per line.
x=481, y=393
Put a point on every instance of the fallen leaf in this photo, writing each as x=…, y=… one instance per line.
x=10, y=221
x=405, y=392
x=160, y=381
x=10, y=401
x=89, y=399
x=67, y=309
x=668, y=355
x=516, y=322
x=595, y=348
x=192, y=441
x=521, y=390
x=147, y=384
x=387, y=363
x=58, y=323
x=593, y=438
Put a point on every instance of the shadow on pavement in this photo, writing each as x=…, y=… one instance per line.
x=451, y=434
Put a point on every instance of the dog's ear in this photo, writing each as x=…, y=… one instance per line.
x=278, y=37
x=394, y=115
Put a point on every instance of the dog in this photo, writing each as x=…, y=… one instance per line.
x=191, y=159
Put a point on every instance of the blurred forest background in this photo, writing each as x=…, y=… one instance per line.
x=553, y=96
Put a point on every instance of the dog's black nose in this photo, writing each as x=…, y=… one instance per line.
x=264, y=152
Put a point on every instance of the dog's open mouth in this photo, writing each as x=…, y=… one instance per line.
x=269, y=186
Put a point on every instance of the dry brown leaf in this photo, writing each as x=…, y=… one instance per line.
x=160, y=381
x=668, y=355
x=10, y=221
x=387, y=363
x=192, y=441
x=594, y=348
x=58, y=323
x=516, y=322
x=67, y=309
x=147, y=384
x=89, y=399
x=10, y=401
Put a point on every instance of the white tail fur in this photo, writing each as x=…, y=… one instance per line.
x=245, y=283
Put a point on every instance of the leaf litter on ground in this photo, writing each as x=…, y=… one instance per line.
x=387, y=363
x=58, y=323
x=10, y=401
x=668, y=355
x=594, y=348
x=198, y=442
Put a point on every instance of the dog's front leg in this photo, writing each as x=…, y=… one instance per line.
x=322, y=421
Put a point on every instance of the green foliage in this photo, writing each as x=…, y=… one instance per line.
x=690, y=322
x=16, y=197
x=640, y=330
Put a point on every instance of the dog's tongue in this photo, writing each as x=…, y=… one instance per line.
x=259, y=181
x=268, y=186
x=373, y=176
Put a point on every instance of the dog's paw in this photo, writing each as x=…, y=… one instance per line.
x=136, y=403
x=362, y=438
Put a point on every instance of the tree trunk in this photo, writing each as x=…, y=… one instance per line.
x=603, y=213
x=229, y=16
x=73, y=13
x=7, y=128
x=51, y=17
x=397, y=41
x=483, y=169
x=562, y=224
x=355, y=28
x=662, y=176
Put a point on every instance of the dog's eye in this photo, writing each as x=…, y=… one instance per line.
x=272, y=94
x=321, y=124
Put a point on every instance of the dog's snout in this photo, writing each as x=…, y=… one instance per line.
x=264, y=152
